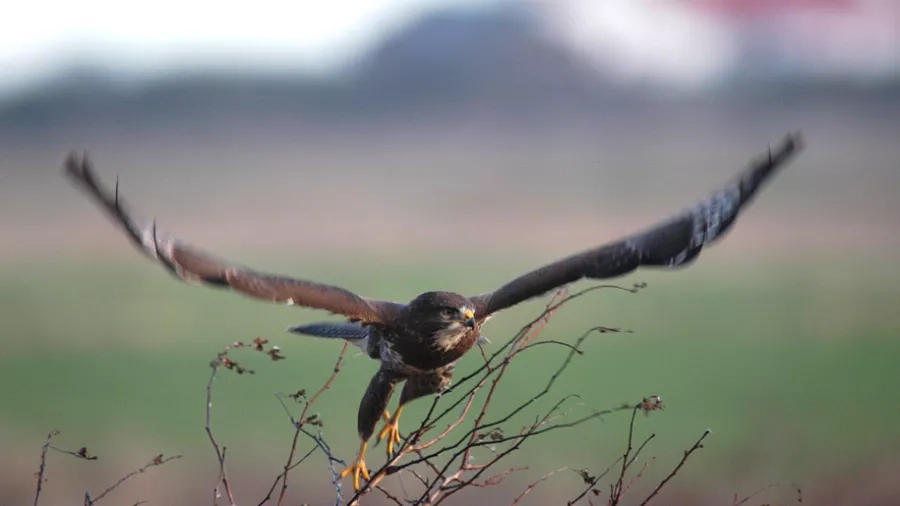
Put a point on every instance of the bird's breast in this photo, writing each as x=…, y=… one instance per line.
x=428, y=352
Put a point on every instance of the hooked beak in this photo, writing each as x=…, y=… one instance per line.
x=469, y=317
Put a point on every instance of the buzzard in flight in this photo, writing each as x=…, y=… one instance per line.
x=419, y=342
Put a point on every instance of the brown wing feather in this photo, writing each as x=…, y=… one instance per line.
x=672, y=243
x=197, y=267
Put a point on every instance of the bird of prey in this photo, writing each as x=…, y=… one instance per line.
x=420, y=342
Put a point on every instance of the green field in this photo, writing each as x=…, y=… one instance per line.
x=793, y=366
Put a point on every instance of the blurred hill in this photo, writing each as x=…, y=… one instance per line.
x=448, y=66
x=492, y=63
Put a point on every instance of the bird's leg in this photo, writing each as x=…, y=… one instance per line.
x=358, y=467
x=391, y=431
x=414, y=388
x=372, y=407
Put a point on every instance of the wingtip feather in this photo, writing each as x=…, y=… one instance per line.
x=71, y=163
x=793, y=142
x=77, y=165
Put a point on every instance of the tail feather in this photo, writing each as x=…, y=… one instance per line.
x=332, y=330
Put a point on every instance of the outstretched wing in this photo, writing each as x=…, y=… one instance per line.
x=196, y=267
x=672, y=243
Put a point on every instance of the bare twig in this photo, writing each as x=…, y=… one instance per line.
x=637, y=476
x=220, y=450
x=390, y=496
x=298, y=429
x=268, y=496
x=616, y=494
x=534, y=484
x=766, y=488
x=687, y=454
x=82, y=453
x=618, y=489
x=40, y=473
x=335, y=475
x=156, y=461
x=223, y=360
x=641, y=448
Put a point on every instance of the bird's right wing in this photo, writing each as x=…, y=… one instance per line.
x=671, y=243
x=196, y=267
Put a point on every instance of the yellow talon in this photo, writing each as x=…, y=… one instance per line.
x=358, y=467
x=391, y=431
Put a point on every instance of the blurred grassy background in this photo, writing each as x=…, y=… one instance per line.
x=789, y=364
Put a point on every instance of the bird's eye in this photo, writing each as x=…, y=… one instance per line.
x=448, y=313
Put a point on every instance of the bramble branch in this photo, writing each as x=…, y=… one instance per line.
x=156, y=461
x=687, y=455
x=617, y=490
x=793, y=486
x=223, y=360
x=305, y=419
x=83, y=454
x=43, y=466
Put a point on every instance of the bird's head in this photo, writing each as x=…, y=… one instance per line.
x=451, y=310
x=445, y=317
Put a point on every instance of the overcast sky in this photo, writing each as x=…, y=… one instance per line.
x=147, y=37
x=671, y=41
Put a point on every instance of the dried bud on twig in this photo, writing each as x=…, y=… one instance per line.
x=586, y=475
x=275, y=354
x=652, y=403
x=313, y=419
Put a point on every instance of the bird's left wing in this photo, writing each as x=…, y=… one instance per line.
x=197, y=267
x=672, y=243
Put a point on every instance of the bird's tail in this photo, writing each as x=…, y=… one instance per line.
x=332, y=330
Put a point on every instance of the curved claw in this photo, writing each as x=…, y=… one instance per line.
x=391, y=432
x=357, y=468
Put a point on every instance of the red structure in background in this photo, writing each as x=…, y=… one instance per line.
x=743, y=8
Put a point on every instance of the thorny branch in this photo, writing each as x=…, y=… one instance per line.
x=302, y=459
x=299, y=423
x=43, y=466
x=220, y=450
x=223, y=360
x=534, y=485
x=83, y=454
x=618, y=489
x=156, y=461
x=793, y=486
x=687, y=454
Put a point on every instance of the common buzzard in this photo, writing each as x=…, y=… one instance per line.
x=420, y=342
